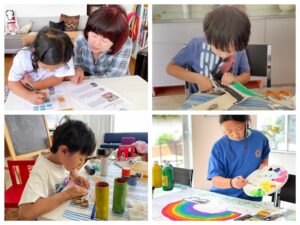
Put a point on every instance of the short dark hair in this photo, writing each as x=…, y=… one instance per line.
x=238, y=118
x=76, y=135
x=226, y=27
x=51, y=47
x=111, y=22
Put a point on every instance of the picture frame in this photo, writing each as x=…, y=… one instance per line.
x=92, y=8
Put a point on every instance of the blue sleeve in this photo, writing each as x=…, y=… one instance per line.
x=215, y=164
x=184, y=57
x=243, y=64
x=266, y=148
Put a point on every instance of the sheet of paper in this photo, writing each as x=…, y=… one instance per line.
x=55, y=101
x=94, y=96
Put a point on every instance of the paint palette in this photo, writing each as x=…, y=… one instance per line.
x=266, y=181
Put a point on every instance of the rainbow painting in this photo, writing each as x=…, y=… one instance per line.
x=184, y=210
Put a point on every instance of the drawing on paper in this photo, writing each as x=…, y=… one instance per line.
x=185, y=210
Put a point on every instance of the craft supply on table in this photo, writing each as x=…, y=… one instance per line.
x=156, y=175
x=119, y=197
x=266, y=181
x=125, y=172
x=89, y=170
x=102, y=200
x=132, y=180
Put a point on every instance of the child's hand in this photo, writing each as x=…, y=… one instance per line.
x=81, y=181
x=78, y=77
x=76, y=191
x=205, y=84
x=37, y=98
x=228, y=78
x=239, y=182
x=262, y=166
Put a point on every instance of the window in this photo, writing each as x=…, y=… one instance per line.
x=280, y=130
x=170, y=140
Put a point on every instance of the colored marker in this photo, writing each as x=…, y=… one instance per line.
x=93, y=211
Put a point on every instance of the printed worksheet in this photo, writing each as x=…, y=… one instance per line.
x=94, y=96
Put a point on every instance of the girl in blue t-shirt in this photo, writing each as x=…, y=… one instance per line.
x=236, y=155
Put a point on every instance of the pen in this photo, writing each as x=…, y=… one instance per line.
x=93, y=211
x=28, y=86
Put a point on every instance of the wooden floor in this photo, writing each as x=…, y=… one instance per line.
x=167, y=91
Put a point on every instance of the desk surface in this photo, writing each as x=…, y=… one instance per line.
x=134, y=88
x=69, y=211
x=216, y=202
x=177, y=102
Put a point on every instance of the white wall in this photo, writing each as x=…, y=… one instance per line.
x=45, y=10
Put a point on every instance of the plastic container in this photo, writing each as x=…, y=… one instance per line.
x=167, y=177
x=156, y=175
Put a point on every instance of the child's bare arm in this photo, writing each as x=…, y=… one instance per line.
x=181, y=73
x=243, y=78
x=31, y=211
x=48, y=82
x=34, y=97
x=224, y=183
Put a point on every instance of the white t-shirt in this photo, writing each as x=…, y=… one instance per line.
x=22, y=64
x=46, y=179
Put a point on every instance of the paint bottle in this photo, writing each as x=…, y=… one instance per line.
x=156, y=175
x=167, y=177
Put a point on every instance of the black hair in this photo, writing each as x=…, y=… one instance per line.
x=227, y=27
x=76, y=136
x=237, y=118
x=51, y=47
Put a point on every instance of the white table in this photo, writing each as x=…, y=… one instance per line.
x=69, y=211
x=216, y=202
x=134, y=88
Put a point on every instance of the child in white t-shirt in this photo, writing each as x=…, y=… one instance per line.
x=45, y=189
x=43, y=64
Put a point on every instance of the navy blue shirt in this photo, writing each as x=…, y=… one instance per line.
x=230, y=158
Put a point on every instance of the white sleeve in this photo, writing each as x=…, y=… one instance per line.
x=36, y=187
x=66, y=70
x=20, y=66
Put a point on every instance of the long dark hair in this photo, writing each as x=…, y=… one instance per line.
x=51, y=47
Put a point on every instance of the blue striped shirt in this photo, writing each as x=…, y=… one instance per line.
x=106, y=65
x=197, y=55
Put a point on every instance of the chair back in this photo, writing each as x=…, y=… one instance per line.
x=19, y=171
x=183, y=176
x=259, y=58
x=287, y=193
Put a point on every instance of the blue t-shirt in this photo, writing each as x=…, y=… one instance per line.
x=198, y=57
x=230, y=158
